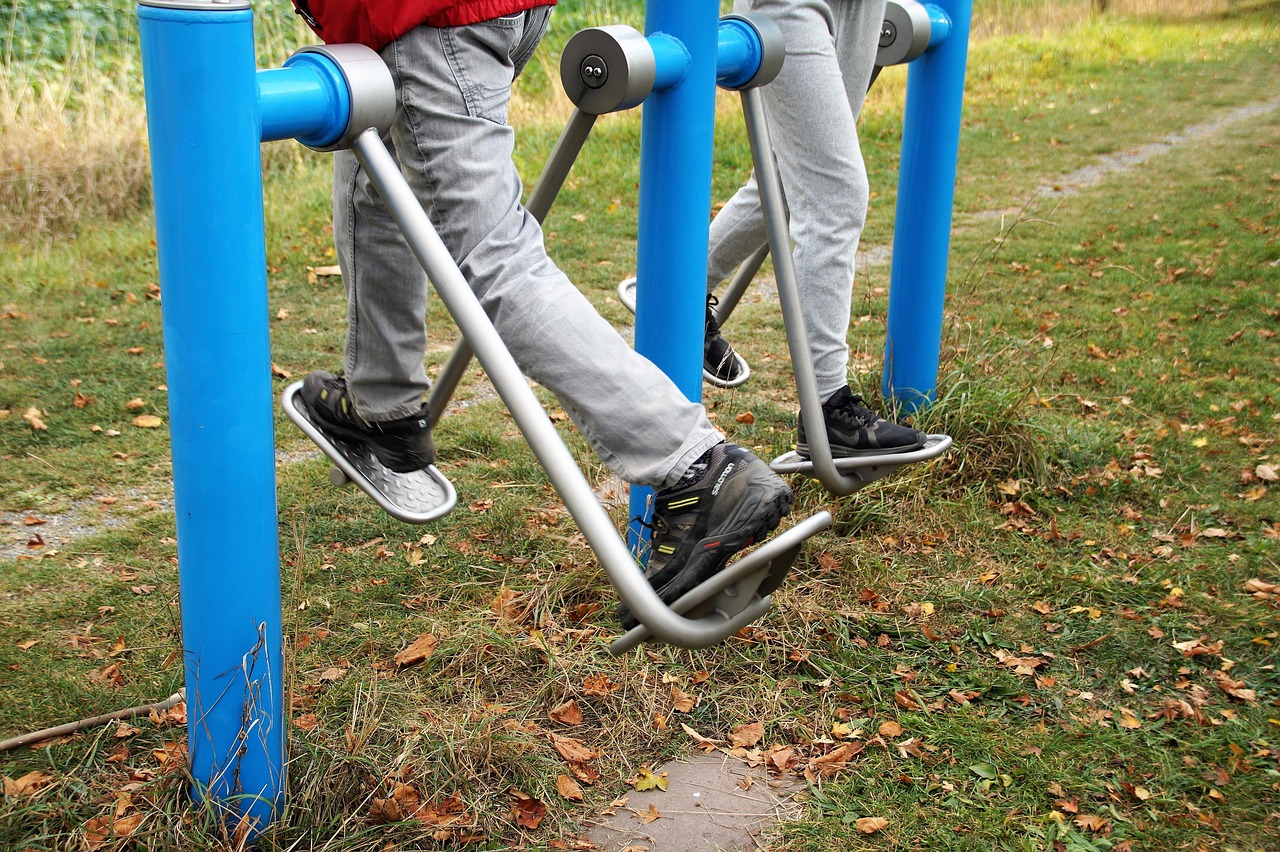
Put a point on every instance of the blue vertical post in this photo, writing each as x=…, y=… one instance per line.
x=676, y=141
x=204, y=126
x=926, y=193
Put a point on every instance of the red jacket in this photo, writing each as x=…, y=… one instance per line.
x=378, y=22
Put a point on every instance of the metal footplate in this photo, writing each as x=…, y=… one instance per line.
x=627, y=296
x=739, y=594
x=415, y=497
x=866, y=468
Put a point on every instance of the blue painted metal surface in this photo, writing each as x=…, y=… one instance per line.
x=676, y=138
x=738, y=54
x=306, y=100
x=922, y=226
x=208, y=109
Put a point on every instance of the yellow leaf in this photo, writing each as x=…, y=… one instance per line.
x=147, y=421
x=647, y=780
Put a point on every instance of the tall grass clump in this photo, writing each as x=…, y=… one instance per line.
x=72, y=141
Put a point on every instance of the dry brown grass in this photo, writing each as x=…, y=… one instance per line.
x=72, y=147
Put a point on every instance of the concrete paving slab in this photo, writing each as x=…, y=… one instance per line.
x=712, y=802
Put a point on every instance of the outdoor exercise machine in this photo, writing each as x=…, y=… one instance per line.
x=208, y=111
x=934, y=39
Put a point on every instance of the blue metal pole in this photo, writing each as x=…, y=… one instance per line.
x=204, y=125
x=676, y=139
x=926, y=193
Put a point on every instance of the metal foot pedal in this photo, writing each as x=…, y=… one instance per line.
x=739, y=594
x=627, y=296
x=867, y=468
x=415, y=497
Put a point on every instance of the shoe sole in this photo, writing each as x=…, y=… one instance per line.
x=749, y=525
x=802, y=450
x=744, y=373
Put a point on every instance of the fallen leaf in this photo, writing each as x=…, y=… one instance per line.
x=32, y=416
x=420, y=650
x=567, y=713
x=307, y=722
x=598, y=684
x=780, y=758
x=682, y=701
x=890, y=729
x=747, y=735
x=832, y=762
x=147, y=421
x=333, y=674
x=870, y=825
x=568, y=788
x=528, y=810
x=650, y=815
x=1093, y=823
x=573, y=750
x=647, y=780
x=28, y=785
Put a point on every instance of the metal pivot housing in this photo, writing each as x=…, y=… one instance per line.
x=905, y=33
x=368, y=87
x=760, y=41
x=607, y=69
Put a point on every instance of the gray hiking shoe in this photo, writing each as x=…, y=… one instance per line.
x=728, y=500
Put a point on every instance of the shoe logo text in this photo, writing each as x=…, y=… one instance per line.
x=724, y=474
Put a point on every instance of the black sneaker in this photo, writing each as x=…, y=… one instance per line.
x=402, y=445
x=720, y=363
x=855, y=430
x=729, y=499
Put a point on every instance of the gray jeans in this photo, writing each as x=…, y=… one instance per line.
x=812, y=108
x=452, y=141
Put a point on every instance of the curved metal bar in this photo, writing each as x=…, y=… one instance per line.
x=561, y=468
x=775, y=217
x=739, y=283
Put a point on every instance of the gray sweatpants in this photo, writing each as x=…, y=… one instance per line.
x=453, y=143
x=812, y=108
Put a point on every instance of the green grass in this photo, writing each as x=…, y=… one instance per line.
x=1109, y=376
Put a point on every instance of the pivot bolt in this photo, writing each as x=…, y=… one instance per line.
x=888, y=32
x=594, y=72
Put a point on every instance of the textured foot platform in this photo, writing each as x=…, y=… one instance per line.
x=867, y=468
x=415, y=497
x=739, y=594
x=627, y=296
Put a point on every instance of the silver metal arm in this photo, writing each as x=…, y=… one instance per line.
x=775, y=218
x=594, y=522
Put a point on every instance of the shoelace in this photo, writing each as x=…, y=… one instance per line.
x=857, y=413
x=713, y=327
